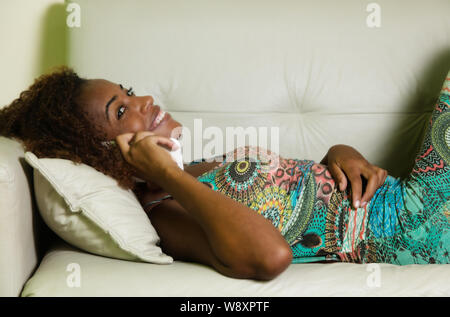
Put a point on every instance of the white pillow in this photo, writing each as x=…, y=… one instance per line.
x=92, y=212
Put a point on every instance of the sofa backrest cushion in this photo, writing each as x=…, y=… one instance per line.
x=323, y=72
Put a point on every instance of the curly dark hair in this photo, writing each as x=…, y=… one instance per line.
x=50, y=122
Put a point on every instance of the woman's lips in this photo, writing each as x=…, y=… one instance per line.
x=158, y=119
x=154, y=113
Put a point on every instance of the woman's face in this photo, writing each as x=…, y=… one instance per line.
x=117, y=110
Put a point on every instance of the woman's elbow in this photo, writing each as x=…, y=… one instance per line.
x=264, y=268
x=272, y=265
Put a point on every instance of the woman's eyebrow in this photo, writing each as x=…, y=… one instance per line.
x=109, y=103
x=107, y=107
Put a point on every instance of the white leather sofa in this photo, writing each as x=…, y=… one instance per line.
x=323, y=72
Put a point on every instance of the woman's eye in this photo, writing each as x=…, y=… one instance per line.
x=130, y=92
x=120, y=112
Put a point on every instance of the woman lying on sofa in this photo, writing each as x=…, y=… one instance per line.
x=258, y=212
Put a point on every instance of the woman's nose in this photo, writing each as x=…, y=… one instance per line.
x=145, y=104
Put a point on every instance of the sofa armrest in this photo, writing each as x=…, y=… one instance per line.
x=20, y=226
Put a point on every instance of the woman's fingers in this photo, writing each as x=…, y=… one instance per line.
x=134, y=145
x=338, y=176
x=385, y=175
x=138, y=136
x=156, y=139
x=376, y=178
x=371, y=188
x=167, y=143
x=356, y=183
x=123, y=141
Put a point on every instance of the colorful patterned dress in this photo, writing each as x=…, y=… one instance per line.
x=406, y=221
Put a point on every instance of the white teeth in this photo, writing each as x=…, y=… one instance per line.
x=159, y=117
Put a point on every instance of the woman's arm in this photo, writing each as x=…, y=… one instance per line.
x=185, y=240
x=347, y=164
x=241, y=240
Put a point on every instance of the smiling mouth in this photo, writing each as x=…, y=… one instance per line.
x=158, y=119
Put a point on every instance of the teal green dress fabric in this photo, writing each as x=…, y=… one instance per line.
x=406, y=221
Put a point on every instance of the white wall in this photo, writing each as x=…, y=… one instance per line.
x=31, y=41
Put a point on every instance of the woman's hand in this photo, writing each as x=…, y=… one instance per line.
x=345, y=163
x=145, y=152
